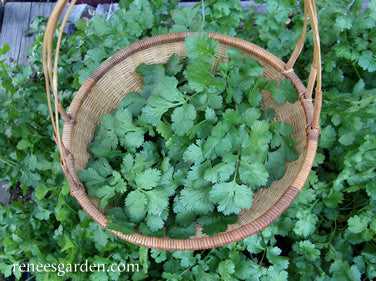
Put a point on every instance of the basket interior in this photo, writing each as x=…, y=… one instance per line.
x=120, y=79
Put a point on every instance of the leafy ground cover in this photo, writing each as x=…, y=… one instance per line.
x=193, y=145
x=328, y=233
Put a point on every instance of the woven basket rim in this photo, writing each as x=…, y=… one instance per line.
x=78, y=190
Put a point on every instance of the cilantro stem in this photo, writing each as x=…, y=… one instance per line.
x=317, y=268
x=314, y=204
x=135, y=186
x=262, y=258
x=181, y=274
x=237, y=164
x=206, y=257
x=356, y=70
x=8, y=162
x=190, y=97
x=213, y=65
x=209, y=254
x=355, y=202
x=335, y=220
x=216, y=62
x=352, y=62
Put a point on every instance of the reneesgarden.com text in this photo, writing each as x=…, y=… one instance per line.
x=61, y=269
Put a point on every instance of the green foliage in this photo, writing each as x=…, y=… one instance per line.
x=328, y=233
x=223, y=163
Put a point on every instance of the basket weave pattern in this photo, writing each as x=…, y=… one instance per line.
x=114, y=78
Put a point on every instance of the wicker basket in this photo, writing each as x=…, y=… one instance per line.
x=115, y=77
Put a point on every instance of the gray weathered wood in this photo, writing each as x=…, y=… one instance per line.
x=16, y=22
x=4, y=193
x=102, y=9
x=37, y=9
x=17, y=19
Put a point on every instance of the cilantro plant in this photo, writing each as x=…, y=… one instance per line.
x=329, y=231
x=194, y=144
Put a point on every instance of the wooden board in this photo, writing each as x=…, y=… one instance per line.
x=37, y=9
x=16, y=22
x=15, y=25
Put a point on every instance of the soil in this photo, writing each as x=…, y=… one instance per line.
x=17, y=193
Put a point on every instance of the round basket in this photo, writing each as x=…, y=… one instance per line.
x=115, y=77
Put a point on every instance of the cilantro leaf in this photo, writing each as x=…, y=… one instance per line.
x=284, y=91
x=134, y=102
x=196, y=200
x=252, y=172
x=183, y=119
x=154, y=222
x=91, y=177
x=358, y=224
x=250, y=115
x=367, y=61
x=201, y=46
x=226, y=268
x=288, y=148
x=133, y=140
x=281, y=128
x=246, y=65
x=306, y=223
x=233, y=90
x=173, y=65
x=342, y=23
x=151, y=75
x=342, y=271
x=179, y=232
x=123, y=227
x=148, y=179
x=136, y=205
x=164, y=96
x=221, y=171
x=216, y=222
x=193, y=154
x=185, y=17
x=275, y=165
x=327, y=137
x=260, y=137
x=200, y=78
x=231, y=197
x=119, y=221
x=232, y=117
x=157, y=201
x=107, y=136
x=183, y=216
x=123, y=122
x=251, y=90
x=210, y=115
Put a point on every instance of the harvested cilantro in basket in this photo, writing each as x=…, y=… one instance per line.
x=192, y=146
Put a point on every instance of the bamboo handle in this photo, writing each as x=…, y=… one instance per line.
x=315, y=73
x=316, y=65
x=50, y=72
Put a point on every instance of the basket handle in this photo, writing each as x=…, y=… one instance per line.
x=315, y=73
x=50, y=66
x=50, y=72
